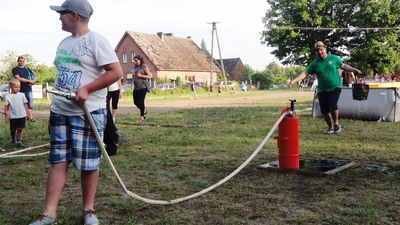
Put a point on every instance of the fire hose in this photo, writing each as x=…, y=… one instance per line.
x=71, y=96
x=13, y=154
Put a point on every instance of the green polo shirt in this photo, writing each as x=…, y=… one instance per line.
x=327, y=71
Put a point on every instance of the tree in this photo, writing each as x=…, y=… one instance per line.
x=263, y=78
x=8, y=62
x=295, y=45
x=204, y=47
x=45, y=74
x=247, y=72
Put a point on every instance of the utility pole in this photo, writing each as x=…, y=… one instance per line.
x=214, y=30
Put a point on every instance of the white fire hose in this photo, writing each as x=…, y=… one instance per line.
x=71, y=95
x=13, y=154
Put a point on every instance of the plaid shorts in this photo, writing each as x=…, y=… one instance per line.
x=72, y=139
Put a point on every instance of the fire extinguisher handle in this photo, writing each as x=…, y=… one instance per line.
x=292, y=101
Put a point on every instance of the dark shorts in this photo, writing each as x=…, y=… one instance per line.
x=328, y=100
x=18, y=123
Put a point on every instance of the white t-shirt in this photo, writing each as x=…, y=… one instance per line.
x=79, y=61
x=113, y=87
x=16, y=107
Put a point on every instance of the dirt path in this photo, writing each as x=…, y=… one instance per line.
x=250, y=99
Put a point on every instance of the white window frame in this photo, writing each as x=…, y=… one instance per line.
x=124, y=58
x=133, y=56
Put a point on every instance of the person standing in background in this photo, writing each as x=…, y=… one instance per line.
x=15, y=112
x=193, y=93
x=114, y=93
x=27, y=78
x=141, y=73
x=348, y=78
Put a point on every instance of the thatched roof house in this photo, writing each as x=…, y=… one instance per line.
x=168, y=57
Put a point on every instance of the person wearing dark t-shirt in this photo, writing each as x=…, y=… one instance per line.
x=27, y=78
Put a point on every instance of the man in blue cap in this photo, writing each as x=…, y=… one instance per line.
x=86, y=64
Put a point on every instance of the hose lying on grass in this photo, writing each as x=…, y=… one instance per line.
x=174, y=201
x=14, y=153
x=153, y=201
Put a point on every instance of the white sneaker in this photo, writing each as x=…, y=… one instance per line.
x=329, y=131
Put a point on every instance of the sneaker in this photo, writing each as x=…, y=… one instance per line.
x=337, y=128
x=20, y=144
x=89, y=218
x=43, y=219
x=329, y=131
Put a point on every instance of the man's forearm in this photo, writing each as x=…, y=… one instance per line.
x=350, y=69
x=300, y=77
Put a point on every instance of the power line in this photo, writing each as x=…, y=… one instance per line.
x=334, y=28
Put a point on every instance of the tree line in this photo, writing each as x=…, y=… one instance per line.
x=272, y=74
x=363, y=33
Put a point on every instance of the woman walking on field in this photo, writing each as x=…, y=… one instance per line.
x=141, y=73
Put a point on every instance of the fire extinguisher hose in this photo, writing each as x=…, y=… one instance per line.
x=174, y=201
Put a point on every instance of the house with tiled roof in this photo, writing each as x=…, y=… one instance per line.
x=168, y=57
x=233, y=68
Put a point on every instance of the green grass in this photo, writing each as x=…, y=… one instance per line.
x=171, y=162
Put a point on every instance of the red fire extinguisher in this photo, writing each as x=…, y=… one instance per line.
x=288, y=139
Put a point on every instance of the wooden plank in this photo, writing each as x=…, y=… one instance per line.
x=341, y=168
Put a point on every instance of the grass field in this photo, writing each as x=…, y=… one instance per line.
x=168, y=162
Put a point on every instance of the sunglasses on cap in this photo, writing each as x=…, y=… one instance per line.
x=65, y=12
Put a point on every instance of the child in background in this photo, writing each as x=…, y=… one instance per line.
x=15, y=112
x=2, y=149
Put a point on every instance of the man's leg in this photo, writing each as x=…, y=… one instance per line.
x=89, y=180
x=335, y=117
x=29, y=97
x=55, y=184
x=328, y=120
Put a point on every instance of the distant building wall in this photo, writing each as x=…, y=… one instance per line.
x=129, y=49
x=237, y=71
x=185, y=76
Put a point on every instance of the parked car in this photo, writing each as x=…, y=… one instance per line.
x=4, y=90
x=164, y=87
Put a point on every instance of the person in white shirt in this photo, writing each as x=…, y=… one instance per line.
x=114, y=93
x=86, y=64
x=15, y=112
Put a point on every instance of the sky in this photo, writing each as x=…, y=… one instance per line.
x=31, y=27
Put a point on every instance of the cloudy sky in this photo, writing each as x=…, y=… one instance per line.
x=30, y=27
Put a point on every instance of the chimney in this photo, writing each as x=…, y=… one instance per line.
x=161, y=35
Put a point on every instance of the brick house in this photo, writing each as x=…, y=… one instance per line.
x=233, y=68
x=168, y=57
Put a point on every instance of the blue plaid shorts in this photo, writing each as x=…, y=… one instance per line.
x=72, y=139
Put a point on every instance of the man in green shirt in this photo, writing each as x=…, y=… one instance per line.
x=326, y=67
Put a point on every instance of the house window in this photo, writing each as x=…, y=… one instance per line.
x=124, y=58
x=133, y=55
